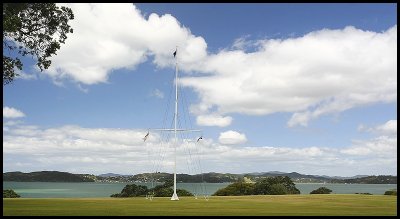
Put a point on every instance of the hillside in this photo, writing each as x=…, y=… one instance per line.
x=45, y=176
x=55, y=176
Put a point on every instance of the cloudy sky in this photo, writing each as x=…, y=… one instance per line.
x=308, y=88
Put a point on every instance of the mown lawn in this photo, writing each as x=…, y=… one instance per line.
x=332, y=204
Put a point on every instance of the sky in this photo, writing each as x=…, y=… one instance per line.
x=307, y=88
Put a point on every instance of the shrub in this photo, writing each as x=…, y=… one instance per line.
x=9, y=193
x=235, y=189
x=266, y=185
x=321, y=190
x=132, y=191
x=391, y=192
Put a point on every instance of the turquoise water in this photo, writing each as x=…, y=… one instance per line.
x=82, y=190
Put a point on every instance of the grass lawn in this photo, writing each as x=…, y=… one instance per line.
x=332, y=204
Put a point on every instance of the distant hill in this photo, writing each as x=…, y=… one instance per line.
x=381, y=179
x=55, y=176
x=343, y=177
x=46, y=176
x=111, y=175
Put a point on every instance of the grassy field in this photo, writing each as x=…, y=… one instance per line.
x=332, y=204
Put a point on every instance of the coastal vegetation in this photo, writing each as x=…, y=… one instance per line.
x=391, y=192
x=267, y=186
x=9, y=193
x=164, y=190
x=321, y=190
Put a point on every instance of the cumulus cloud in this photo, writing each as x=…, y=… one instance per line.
x=11, y=113
x=100, y=150
x=380, y=146
x=389, y=128
x=323, y=72
x=232, y=137
x=384, y=145
x=115, y=36
x=213, y=120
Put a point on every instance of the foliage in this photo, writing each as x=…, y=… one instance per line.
x=163, y=190
x=267, y=186
x=321, y=190
x=278, y=189
x=35, y=29
x=391, y=192
x=264, y=186
x=9, y=193
x=235, y=189
x=132, y=191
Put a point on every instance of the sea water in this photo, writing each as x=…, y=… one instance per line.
x=92, y=189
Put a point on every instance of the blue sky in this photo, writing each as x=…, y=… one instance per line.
x=309, y=88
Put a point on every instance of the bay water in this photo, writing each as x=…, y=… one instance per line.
x=92, y=189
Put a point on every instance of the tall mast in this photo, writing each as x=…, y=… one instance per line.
x=175, y=196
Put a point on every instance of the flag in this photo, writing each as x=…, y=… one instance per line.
x=145, y=137
x=201, y=137
x=174, y=53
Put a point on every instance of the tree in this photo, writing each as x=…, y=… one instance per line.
x=321, y=190
x=35, y=29
x=236, y=189
x=266, y=185
x=163, y=190
x=9, y=193
x=391, y=192
x=132, y=191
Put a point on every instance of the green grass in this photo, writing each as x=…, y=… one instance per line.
x=332, y=204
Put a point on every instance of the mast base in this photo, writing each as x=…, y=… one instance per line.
x=174, y=197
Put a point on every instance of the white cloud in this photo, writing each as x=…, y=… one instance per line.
x=12, y=123
x=242, y=43
x=25, y=76
x=384, y=145
x=389, y=128
x=380, y=146
x=114, y=36
x=323, y=72
x=101, y=150
x=11, y=113
x=232, y=137
x=320, y=73
x=157, y=93
x=213, y=120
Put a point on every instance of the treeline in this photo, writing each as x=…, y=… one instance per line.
x=280, y=185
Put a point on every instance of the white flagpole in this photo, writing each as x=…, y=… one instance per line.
x=175, y=196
